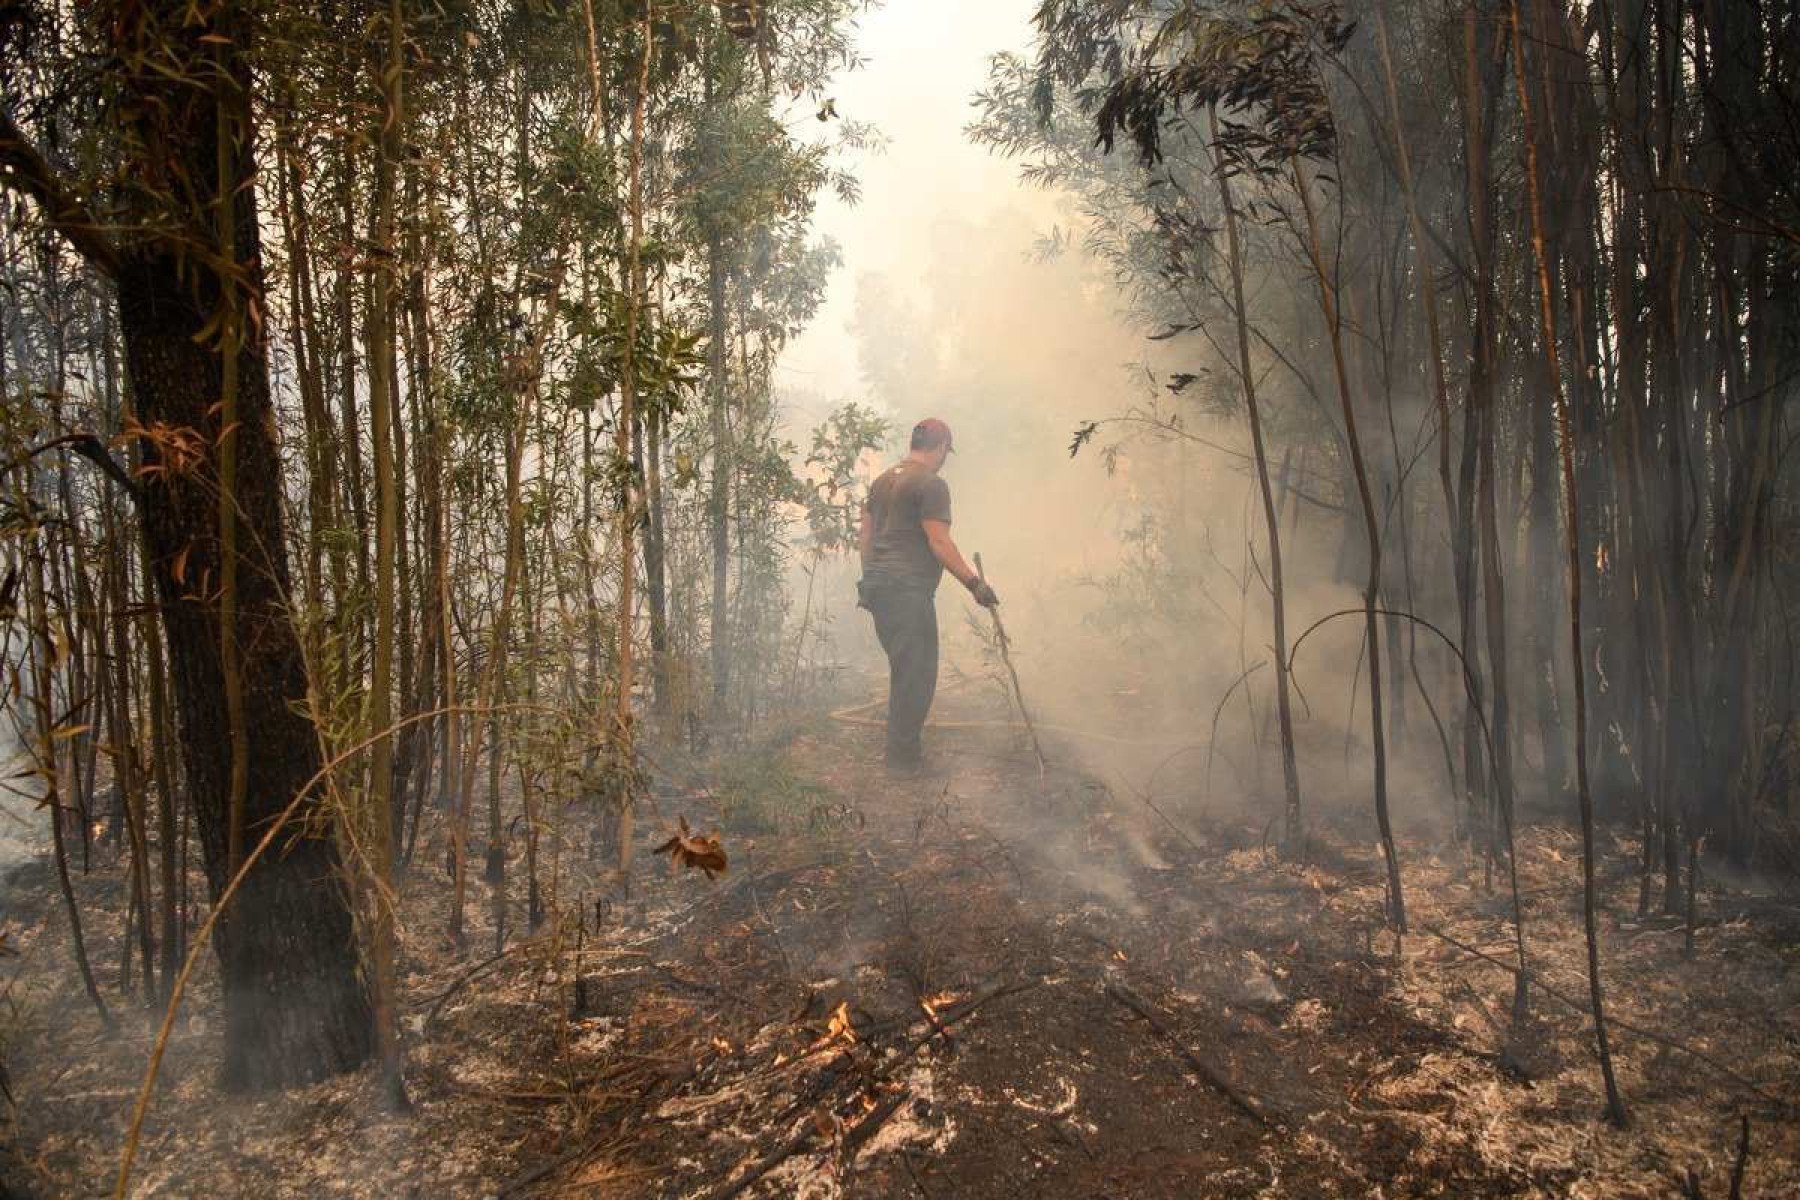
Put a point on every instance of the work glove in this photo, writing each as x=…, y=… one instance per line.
x=984, y=595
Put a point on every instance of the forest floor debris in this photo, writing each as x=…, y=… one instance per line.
x=920, y=992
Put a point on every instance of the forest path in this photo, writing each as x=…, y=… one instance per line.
x=1115, y=1010
x=1036, y=920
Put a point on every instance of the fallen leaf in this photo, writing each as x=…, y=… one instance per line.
x=695, y=851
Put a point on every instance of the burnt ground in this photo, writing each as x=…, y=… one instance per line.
x=974, y=983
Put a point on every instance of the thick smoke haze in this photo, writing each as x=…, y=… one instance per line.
x=1133, y=601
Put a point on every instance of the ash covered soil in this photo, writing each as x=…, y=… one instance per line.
x=977, y=982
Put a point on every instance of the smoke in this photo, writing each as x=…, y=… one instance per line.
x=1133, y=575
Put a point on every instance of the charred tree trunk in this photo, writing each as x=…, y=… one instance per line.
x=386, y=455
x=296, y=1008
x=1483, y=58
x=1454, y=508
x=1615, y=1107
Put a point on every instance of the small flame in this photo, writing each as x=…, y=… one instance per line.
x=839, y=1028
x=935, y=1004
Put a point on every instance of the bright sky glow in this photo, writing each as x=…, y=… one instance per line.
x=925, y=60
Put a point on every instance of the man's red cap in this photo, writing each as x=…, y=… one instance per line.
x=934, y=433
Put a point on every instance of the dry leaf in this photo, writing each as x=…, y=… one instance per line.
x=693, y=850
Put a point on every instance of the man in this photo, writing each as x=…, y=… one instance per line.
x=906, y=548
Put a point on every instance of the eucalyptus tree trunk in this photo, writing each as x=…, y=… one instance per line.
x=66, y=567
x=656, y=563
x=1483, y=59
x=1670, y=304
x=385, y=464
x=1621, y=85
x=43, y=698
x=1293, y=833
x=155, y=698
x=1371, y=625
x=169, y=845
x=354, y=498
x=317, y=432
x=296, y=1007
x=1455, y=506
x=128, y=775
x=1615, y=1108
x=532, y=594
x=1736, y=69
x=719, y=498
x=628, y=386
x=427, y=466
x=488, y=691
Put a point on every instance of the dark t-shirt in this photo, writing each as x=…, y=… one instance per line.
x=905, y=496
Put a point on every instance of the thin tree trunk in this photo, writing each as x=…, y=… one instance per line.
x=1371, y=591
x=1294, y=839
x=628, y=384
x=1483, y=59
x=1615, y=1108
x=655, y=564
x=379, y=826
x=127, y=775
x=48, y=734
x=719, y=498
x=1454, y=507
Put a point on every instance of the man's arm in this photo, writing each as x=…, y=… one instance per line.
x=865, y=535
x=937, y=535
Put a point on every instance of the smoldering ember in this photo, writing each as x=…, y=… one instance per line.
x=826, y=598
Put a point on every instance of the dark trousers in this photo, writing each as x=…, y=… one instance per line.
x=906, y=623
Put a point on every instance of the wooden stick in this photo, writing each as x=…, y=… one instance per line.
x=1743, y=1157
x=853, y=1140
x=1244, y=1102
x=1006, y=657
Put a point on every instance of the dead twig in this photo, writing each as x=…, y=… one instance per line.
x=1212, y=737
x=853, y=1141
x=869, y=1126
x=1661, y=1039
x=549, y=1166
x=946, y=1018
x=1245, y=1103
x=469, y=976
x=951, y=1016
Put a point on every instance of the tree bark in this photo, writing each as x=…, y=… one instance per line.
x=1615, y=1107
x=1371, y=591
x=296, y=1008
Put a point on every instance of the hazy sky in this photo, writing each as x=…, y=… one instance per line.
x=925, y=59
